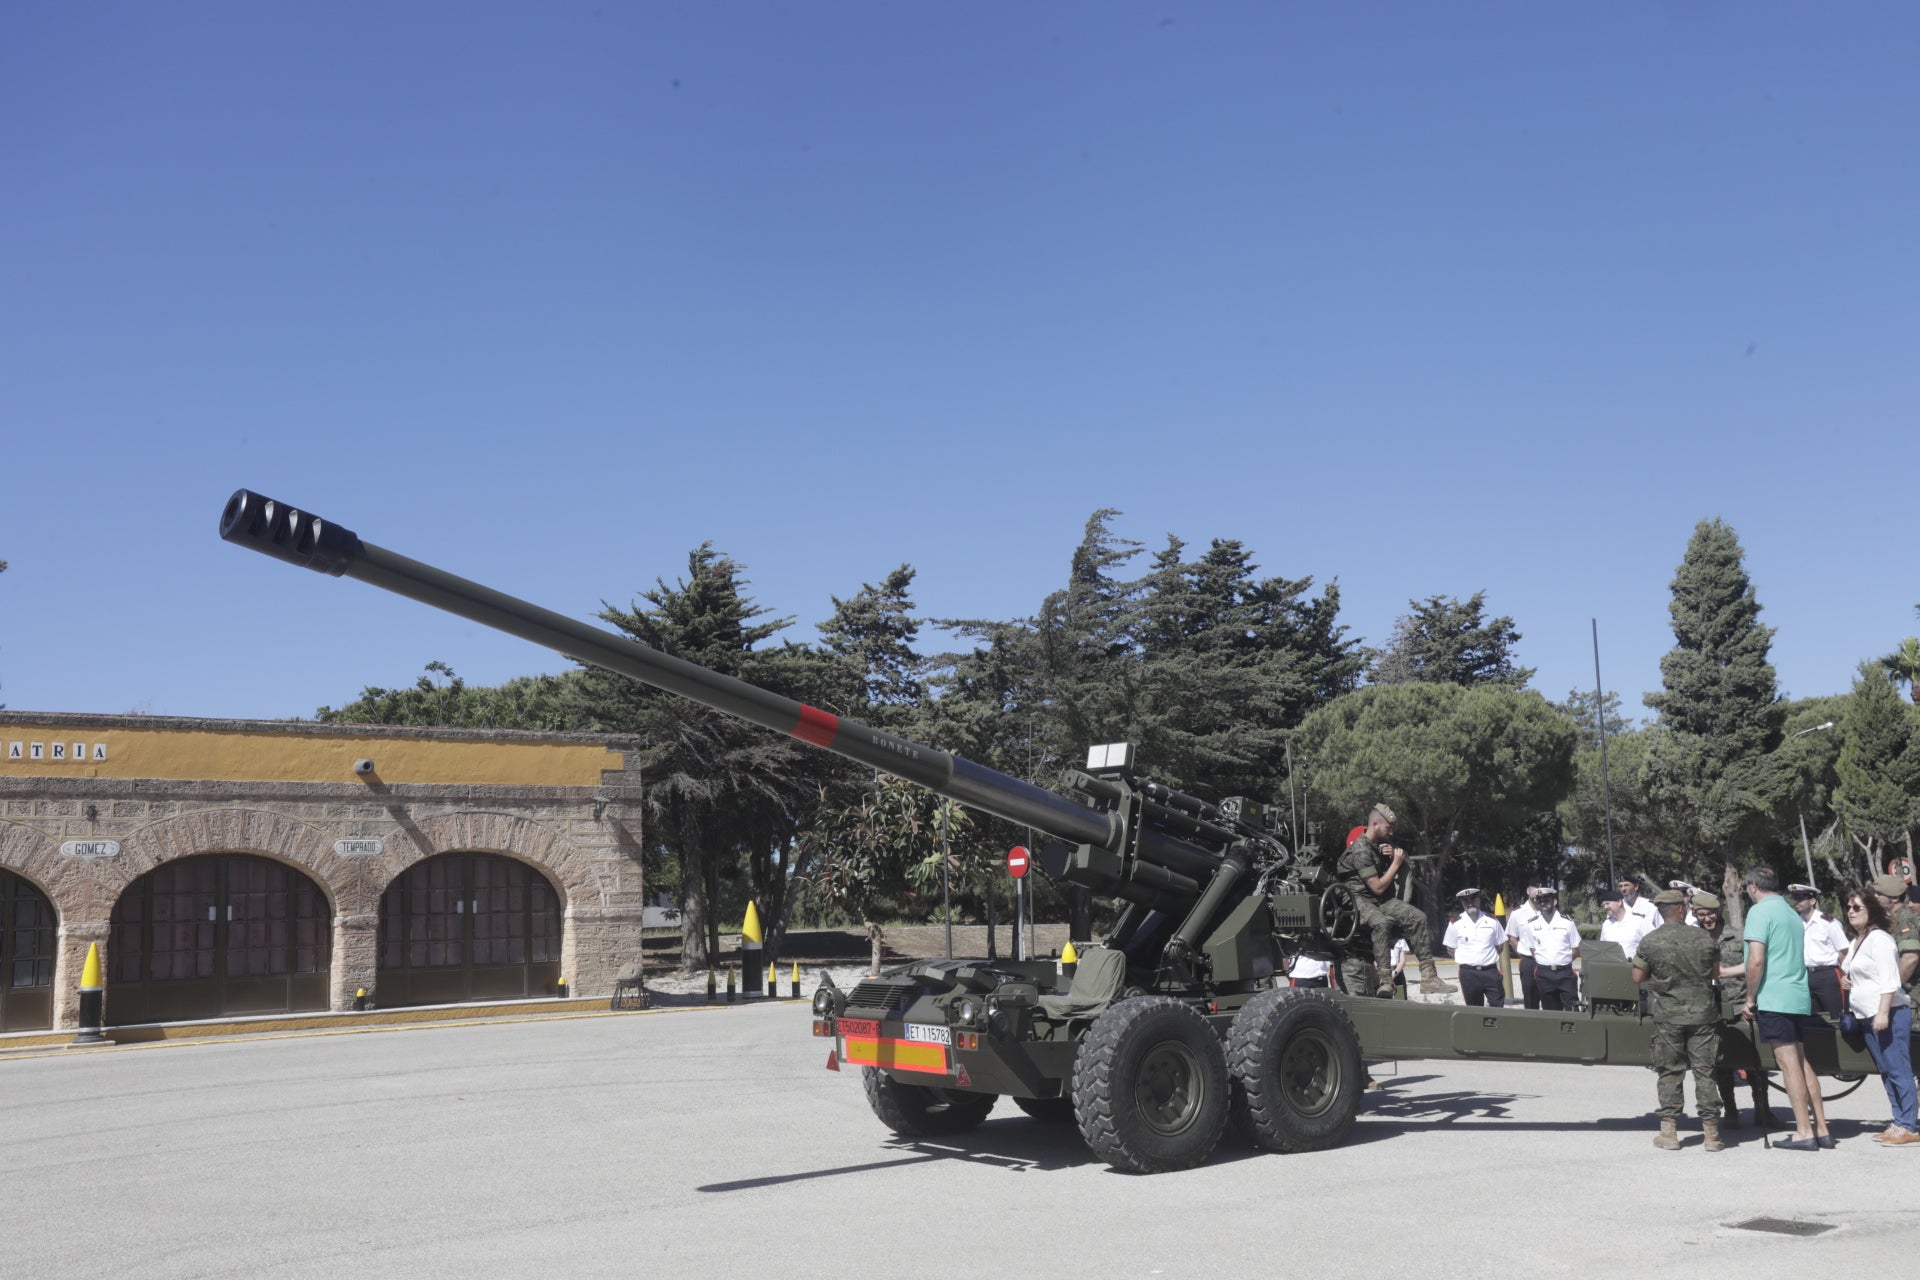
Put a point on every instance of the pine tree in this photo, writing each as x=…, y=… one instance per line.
x=1878, y=797
x=877, y=677
x=1720, y=708
x=1446, y=640
x=1231, y=664
x=718, y=791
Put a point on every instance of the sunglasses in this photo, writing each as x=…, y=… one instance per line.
x=1856, y=906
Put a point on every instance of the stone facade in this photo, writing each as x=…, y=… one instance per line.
x=577, y=822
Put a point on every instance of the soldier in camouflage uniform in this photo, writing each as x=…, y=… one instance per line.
x=1892, y=892
x=1368, y=868
x=1733, y=994
x=1677, y=963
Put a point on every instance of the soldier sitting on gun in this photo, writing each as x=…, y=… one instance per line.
x=1369, y=867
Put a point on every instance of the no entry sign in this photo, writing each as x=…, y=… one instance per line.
x=1017, y=861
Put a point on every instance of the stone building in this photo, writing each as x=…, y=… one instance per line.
x=238, y=867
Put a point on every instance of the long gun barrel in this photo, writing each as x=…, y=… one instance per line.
x=302, y=538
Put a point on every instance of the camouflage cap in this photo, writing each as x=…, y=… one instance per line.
x=1704, y=901
x=1382, y=811
x=1669, y=898
x=1890, y=886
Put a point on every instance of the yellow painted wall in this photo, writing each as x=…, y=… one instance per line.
x=240, y=755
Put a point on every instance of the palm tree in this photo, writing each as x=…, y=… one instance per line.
x=1903, y=666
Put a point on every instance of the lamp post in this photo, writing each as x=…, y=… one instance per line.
x=1805, y=844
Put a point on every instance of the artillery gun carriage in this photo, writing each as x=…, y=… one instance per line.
x=1165, y=1033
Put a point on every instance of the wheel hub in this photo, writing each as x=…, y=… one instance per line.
x=1170, y=1088
x=1309, y=1073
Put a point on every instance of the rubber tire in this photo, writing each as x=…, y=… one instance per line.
x=1165, y=1035
x=917, y=1111
x=1052, y=1110
x=1306, y=1113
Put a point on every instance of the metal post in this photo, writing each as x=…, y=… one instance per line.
x=1600, y=716
x=1293, y=802
x=946, y=896
x=1806, y=844
x=1020, y=918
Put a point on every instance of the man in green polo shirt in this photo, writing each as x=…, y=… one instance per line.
x=1778, y=1002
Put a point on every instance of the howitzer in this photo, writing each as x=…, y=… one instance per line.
x=1161, y=1031
x=1163, y=852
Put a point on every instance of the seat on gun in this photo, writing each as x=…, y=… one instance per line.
x=1098, y=980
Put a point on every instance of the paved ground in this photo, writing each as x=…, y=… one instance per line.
x=714, y=1143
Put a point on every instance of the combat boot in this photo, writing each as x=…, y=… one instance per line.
x=1711, y=1128
x=1431, y=983
x=1669, y=1139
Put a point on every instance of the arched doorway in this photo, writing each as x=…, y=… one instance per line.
x=27, y=932
x=218, y=934
x=468, y=926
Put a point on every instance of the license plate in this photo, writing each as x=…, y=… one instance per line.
x=928, y=1034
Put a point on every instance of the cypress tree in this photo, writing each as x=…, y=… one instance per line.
x=1720, y=708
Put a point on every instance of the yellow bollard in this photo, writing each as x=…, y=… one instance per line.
x=750, y=940
x=793, y=989
x=712, y=980
x=729, y=984
x=773, y=980
x=93, y=997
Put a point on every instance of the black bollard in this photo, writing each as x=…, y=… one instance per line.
x=93, y=999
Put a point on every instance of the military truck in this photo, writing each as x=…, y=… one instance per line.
x=1170, y=1029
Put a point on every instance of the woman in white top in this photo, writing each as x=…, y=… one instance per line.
x=1886, y=1017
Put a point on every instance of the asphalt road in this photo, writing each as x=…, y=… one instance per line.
x=716, y=1144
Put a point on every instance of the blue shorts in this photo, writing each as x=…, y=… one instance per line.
x=1780, y=1028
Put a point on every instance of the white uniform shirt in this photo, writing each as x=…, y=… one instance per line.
x=1517, y=921
x=1826, y=942
x=1627, y=931
x=1399, y=952
x=1553, y=942
x=1304, y=967
x=1475, y=941
x=1645, y=910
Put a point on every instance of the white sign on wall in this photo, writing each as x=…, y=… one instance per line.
x=359, y=848
x=58, y=751
x=90, y=849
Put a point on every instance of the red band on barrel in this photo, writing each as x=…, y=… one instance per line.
x=816, y=726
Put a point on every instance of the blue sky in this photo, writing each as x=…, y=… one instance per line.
x=1423, y=298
